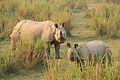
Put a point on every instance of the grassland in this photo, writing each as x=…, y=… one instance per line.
x=62, y=69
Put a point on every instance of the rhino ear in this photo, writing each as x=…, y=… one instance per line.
x=18, y=20
x=75, y=45
x=68, y=45
x=63, y=24
x=56, y=25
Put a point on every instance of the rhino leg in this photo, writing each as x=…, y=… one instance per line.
x=80, y=63
x=15, y=36
x=48, y=50
x=14, y=40
x=57, y=47
x=90, y=58
x=108, y=57
x=95, y=60
x=13, y=43
x=109, y=53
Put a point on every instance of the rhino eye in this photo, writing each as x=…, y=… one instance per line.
x=56, y=25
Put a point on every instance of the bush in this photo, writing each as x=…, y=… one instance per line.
x=105, y=20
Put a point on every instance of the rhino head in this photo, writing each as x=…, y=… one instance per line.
x=59, y=34
x=71, y=52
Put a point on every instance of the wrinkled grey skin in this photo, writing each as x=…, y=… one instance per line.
x=95, y=50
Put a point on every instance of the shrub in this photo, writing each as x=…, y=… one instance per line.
x=105, y=20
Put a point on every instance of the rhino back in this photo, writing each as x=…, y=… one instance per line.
x=83, y=52
x=15, y=32
x=36, y=30
x=29, y=29
x=96, y=46
x=46, y=34
x=91, y=49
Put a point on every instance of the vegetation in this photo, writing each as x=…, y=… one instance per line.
x=11, y=11
x=72, y=72
x=86, y=20
x=105, y=20
x=114, y=1
x=31, y=55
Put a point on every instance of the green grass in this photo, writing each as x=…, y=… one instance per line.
x=105, y=20
x=63, y=69
x=80, y=33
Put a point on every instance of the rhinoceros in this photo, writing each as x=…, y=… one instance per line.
x=93, y=51
x=48, y=31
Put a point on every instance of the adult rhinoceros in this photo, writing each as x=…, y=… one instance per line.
x=94, y=50
x=47, y=31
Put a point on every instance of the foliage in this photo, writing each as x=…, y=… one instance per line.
x=27, y=56
x=31, y=54
x=114, y=1
x=105, y=20
x=81, y=4
x=73, y=72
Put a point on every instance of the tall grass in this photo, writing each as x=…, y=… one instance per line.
x=31, y=54
x=26, y=57
x=114, y=1
x=64, y=70
x=78, y=5
x=8, y=11
x=11, y=11
x=81, y=4
x=104, y=1
x=8, y=63
x=105, y=20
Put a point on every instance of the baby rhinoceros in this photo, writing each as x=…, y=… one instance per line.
x=93, y=51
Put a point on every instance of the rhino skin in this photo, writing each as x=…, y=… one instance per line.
x=95, y=51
